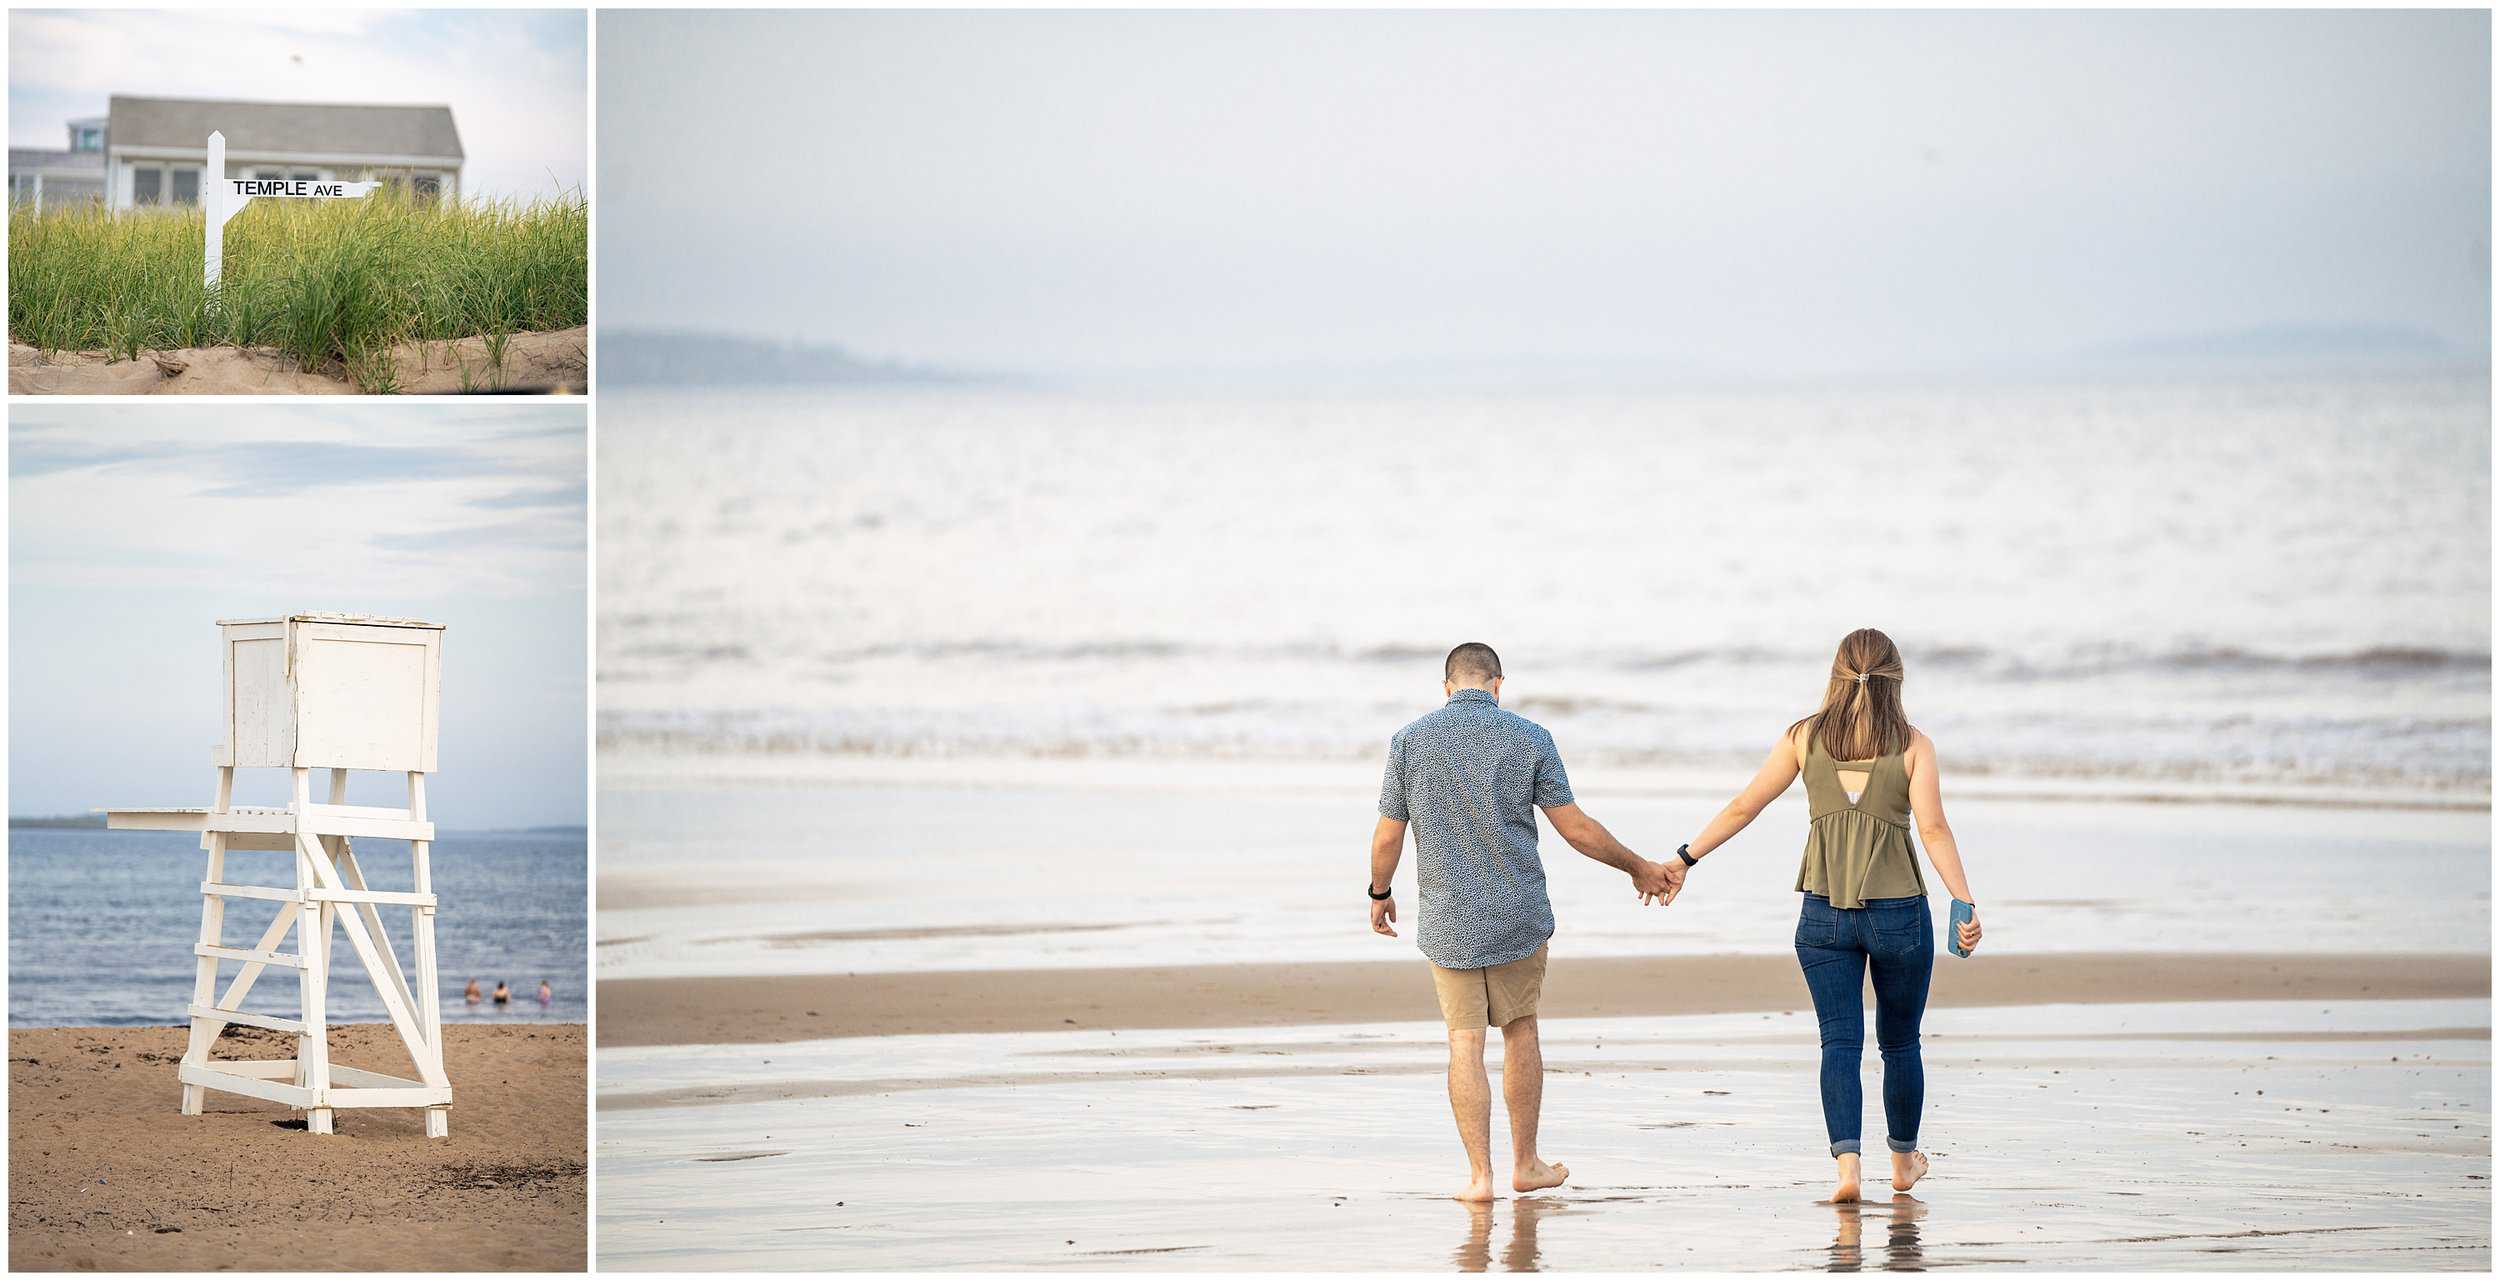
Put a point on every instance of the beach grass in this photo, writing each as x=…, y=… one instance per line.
x=330, y=283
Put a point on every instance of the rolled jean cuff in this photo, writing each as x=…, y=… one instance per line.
x=1846, y=1146
x=1901, y=1145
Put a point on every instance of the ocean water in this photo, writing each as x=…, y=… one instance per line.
x=101, y=925
x=2174, y=584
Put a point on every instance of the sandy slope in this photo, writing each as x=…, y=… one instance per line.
x=105, y=1172
x=552, y=361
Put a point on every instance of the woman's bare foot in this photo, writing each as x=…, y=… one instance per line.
x=1848, y=1189
x=1907, y=1169
x=1537, y=1174
x=1479, y=1189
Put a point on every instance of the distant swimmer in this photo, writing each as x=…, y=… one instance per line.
x=473, y=996
x=503, y=992
x=546, y=993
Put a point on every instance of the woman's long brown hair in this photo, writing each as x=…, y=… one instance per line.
x=1861, y=716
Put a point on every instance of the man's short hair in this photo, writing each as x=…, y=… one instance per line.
x=1470, y=663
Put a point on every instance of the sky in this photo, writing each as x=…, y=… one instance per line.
x=1747, y=192
x=517, y=81
x=131, y=533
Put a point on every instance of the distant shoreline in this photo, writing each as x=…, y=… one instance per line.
x=694, y=359
x=662, y=360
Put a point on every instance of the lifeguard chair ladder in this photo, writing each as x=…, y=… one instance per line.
x=306, y=692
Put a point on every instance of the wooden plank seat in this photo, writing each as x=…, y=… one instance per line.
x=371, y=821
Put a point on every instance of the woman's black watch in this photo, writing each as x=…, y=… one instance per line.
x=1685, y=852
x=1367, y=889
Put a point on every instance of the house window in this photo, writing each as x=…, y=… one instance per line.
x=186, y=186
x=88, y=138
x=305, y=175
x=428, y=186
x=147, y=185
x=272, y=175
x=22, y=186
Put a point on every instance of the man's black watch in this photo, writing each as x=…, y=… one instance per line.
x=1377, y=897
x=1685, y=852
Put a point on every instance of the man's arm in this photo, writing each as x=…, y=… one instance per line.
x=1388, y=845
x=1590, y=837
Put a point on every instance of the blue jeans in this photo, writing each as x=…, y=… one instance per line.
x=1896, y=938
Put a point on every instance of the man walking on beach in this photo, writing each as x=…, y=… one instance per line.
x=1469, y=777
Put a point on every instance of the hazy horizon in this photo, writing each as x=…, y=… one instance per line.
x=1730, y=194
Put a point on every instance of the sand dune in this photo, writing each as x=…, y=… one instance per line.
x=553, y=361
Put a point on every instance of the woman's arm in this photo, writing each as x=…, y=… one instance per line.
x=1927, y=807
x=1779, y=769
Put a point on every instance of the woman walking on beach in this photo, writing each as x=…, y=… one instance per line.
x=1869, y=775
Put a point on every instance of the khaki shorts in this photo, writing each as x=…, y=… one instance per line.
x=1494, y=995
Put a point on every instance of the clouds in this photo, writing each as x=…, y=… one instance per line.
x=516, y=80
x=488, y=502
x=133, y=528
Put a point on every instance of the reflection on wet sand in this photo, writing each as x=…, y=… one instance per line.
x=1519, y=1253
x=1475, y=1252
x=1692, y=1149
x=1901, y=1248
x=1900, y=1251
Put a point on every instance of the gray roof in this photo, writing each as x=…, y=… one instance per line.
x=55, y=160
x=302, y=127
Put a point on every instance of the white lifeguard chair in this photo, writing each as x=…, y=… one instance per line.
x=305, y=692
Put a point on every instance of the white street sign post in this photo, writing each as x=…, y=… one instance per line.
x=225, y=197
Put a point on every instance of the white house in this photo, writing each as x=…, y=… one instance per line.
x=154, y=148
x=40, y=177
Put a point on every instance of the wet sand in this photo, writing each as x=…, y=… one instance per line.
x=2180, y=1136
x=1111, y=1034
x=105, y=1172
x=741, y=880
x=772, y=1008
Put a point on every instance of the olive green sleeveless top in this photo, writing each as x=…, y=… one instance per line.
x=1858, y=850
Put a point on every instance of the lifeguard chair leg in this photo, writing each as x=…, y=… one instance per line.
x=312, y=1057
x=428, y=988
x=212, y=934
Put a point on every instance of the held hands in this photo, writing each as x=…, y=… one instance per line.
x=1384, y=911
x=1659, y=883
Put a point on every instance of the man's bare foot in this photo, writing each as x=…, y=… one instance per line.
x=1537, y=1174
x=1478, y=1190
x=1907, y=1169
x=1848, y=1189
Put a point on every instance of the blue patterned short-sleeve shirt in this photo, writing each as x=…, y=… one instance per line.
x=1469, y=778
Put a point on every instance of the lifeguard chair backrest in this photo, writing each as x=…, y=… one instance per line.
x=331, y=691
